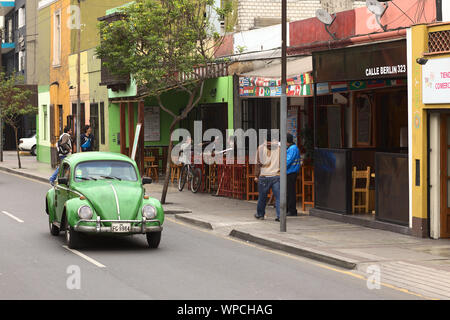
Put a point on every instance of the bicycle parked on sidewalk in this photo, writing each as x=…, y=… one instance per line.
x=191, y=175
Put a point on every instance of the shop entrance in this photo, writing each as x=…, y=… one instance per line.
x=445, y=176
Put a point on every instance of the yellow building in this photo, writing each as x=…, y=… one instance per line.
x=429, y=112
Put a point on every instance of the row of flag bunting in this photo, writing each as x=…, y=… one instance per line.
x=301, y=86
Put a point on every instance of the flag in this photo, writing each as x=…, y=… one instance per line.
x=357, y=85
x=338, y=86
x=376, y=83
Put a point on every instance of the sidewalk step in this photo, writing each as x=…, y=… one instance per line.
x=296, y=250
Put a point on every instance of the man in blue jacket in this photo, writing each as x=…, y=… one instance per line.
x=293, y=168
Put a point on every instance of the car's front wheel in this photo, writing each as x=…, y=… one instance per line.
x=153, y=239
x=54, y=230
x=33, y=151
x=73, y=238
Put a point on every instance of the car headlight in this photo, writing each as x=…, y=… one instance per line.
x=149, y=212
x=85, y=212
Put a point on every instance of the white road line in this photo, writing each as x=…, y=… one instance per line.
x=12, y=217
x=78, y=253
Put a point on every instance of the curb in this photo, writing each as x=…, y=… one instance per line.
x=307, y=253
x=194, y=221
x=24, y=174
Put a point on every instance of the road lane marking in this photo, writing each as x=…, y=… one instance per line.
x=299, y=258
x=12, y=217
x=85, y=257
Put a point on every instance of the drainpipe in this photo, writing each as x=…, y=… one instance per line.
x=324, y=45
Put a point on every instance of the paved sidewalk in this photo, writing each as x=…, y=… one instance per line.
x=419, y=265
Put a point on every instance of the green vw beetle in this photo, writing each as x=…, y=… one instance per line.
x=102, y=193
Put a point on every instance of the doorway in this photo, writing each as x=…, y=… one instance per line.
x=445, y=176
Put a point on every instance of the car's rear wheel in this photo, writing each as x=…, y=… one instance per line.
x=153, y=239
x=73, y=238
x=54, y=230
x=183, y=178
x=33, y=151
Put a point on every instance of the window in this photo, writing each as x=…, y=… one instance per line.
x=60, y=119
x=21, y=61
x=57, y=39
x=105, y=170
x=44, y=107
x=102, y=122
x=21, y=17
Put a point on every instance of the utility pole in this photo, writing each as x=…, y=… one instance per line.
x=283, y=118
x=78, y=126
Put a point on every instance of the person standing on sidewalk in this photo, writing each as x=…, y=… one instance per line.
x=268, y=175
x=87, y=139
x=293, y=168
x=64, y=147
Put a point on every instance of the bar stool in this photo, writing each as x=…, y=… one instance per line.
x=151, y=168
x=251, y=185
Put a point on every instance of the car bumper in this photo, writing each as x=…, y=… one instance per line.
x=140, y=228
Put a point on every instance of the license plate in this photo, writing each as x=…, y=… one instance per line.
x=121, y=227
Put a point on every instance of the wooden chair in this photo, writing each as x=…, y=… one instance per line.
x=298, y=187
x=151, y=168
x=251, y=185
x=175, y=172
x=360, y=190
x=211, y=179
x=307, y=186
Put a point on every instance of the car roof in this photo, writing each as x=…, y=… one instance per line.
x=76, y=158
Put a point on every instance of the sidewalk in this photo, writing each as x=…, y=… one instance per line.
x=419, y=265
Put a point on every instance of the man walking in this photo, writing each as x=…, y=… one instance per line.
x=64, y=147
x=268, y=175
x=293, y=168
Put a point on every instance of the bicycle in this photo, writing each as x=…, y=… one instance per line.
x=191, y=175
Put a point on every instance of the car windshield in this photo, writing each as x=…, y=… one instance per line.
x=105, y=170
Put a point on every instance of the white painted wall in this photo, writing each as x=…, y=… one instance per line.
x=445, y=10
x=259, y=39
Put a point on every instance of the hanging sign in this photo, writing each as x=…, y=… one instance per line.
x=436, y=81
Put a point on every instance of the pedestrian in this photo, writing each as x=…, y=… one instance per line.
x=292, y=170
x=268, y=175
x=87, y=139
x=64, y=148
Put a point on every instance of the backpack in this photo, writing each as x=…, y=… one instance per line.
x=63, y=149
x=87, y=144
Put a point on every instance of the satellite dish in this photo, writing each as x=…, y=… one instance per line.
x=327, y=20
x=378, y=10
x=324, y=16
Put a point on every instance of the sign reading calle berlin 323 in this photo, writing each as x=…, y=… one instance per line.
x=436, y=81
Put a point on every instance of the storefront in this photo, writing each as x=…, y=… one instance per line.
x=361, y=135
x=430, y=127
x=260, y=92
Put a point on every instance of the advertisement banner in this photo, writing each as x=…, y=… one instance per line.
x=436, y=81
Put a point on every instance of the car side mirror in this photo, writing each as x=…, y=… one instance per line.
x=63, y=180
x=146, y=180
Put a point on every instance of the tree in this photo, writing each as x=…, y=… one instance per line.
x=164, y=44
x=14, y=103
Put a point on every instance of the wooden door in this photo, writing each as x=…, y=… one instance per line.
x=445, y=176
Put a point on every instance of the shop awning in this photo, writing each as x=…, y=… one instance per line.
x=266, y=82
x=295, y=66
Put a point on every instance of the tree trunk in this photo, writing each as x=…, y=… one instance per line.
x=17, y=147
x=169, y=161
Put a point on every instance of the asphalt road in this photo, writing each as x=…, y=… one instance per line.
x=189, y=264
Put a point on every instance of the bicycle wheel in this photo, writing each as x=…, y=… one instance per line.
x=183, y=178
x=196, y=180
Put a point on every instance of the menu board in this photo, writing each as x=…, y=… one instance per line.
x=152, y=126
